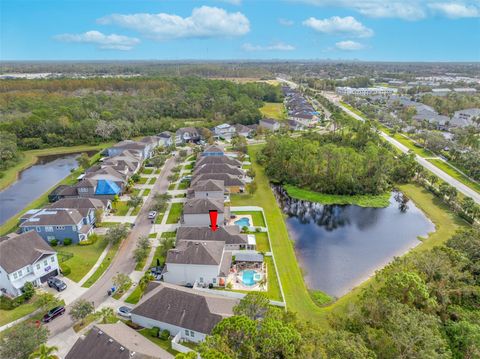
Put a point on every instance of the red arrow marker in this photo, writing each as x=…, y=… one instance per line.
x=213, y=219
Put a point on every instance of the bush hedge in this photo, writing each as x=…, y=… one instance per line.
x=154, y=332
x=65, y=268
x=165, y=334
x=67, y=241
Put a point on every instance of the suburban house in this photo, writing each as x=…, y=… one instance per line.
x=25, y=257
x=225, y=131
x=186, y=135
x=126, y=163
x=115, y=341
x=166, y=138
x=219, y=168
x=304, y=118
x=213, y=151
x=234, y=240
x=294, y=125
x=107, y=173
x=232, y=184
x=207, y=189
x=269, y=124
x=195, y=261
x=102, y=189
x=205, y=160
x=59, y=223
x=465, y=118
x=187, y=314
x=144, y=150
x=196, y=212
x=83, y=204
x=152, y=141
x=243, y=130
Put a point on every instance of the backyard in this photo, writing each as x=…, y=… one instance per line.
x=274, y=110
x=257, y=217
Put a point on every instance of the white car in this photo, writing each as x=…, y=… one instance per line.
x=152, y=215
x=124, y=311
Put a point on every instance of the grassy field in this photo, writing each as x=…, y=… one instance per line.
x=377, y=201
x=274, y=110
x=262, y=242
x=175, y=213
x=143, y=180
x=84, y=257
x=135, y=296
x=30, y=158
x=147, y=171
x=7, y=316
x=146, y=192
x=12, y=223
x=445, y=167
x=103, y=266
x=257, y=217
x=120, y=208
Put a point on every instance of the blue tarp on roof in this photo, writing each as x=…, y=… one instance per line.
x=107, y=187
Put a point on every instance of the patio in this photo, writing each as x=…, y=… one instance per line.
x=248, y=272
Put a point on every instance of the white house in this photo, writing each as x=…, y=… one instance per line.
x=197, y=261
x=25, y=258
x=196, y=212
x=366, y=91
x=184, y=312
x=224, y=130
x=166, y=138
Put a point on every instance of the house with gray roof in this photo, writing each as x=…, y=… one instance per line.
x=213, y=150
x=243, y=130
x=115, y=341
x=166, y=138
x=187, y=135
x=191, y=315
x=25, y=257
x=231, y=235
x=225, y=131
x=59, y=223
x=142, y=149
x=464, y=118
x=205, y=160
x=294, y=125
x=232, y=184
x=204, y=262
x=219, y=168
x=213, y=189
x=269, y=124
x=196, y=212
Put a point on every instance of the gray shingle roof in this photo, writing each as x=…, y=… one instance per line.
x=213, y=148
x=218, y=168
x=53, y=216
x=227, y=234
x=185, y=308
x=200, y=205
x=203, y=160
x=196, y=252
x=227, y=179
x=209, y=185
x=18, y=251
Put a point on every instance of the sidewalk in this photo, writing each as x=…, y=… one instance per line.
x=95, y=266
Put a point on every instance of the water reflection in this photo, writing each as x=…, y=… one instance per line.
x=340, y=246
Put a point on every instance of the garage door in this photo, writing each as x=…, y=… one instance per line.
x=48, y=275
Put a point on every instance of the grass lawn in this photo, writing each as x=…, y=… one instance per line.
x=189, y=166
x=121, y=208
x=118, y=294
x=183, y=185
x=257, y=217
x=136, y=191
x=273, y=291
x=103, y=266
x=147, y=171
x=445, y=167
x=136, y=210
x=106, y=224
x=146, y=192
x=377, y=201
x=84, y=257
x=171, y=186
x=165, y=344
x=7, y=316
x=274, y=110
x=159, y=217
x=139, y=265
x=262, y=241
x=135, y=296
x=143, y=180
x=175, y=213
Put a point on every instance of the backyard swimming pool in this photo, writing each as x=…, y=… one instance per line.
x=243, y=222
x=250, y=277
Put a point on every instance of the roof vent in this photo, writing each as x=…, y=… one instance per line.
x=110, y=340
x=100, y=332
x=132, y=354
x=122, y=349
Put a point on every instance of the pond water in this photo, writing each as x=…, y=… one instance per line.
x=34, y=181
x=339, y=247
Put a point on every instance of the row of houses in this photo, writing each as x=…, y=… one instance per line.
x=300, y=111
x=27, y=256
x=366, y=91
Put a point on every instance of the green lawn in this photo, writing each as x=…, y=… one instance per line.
x=189, y=166
x=273, y=291
x=118, y=294
x=139, y=266
x=143, y=180
x=165, y=344
x=84, y=257
x=147, y=171
x=103, y=266
x=377, y=201
x=183, y=185
x=274, y=110
x=135, y=296
x=7, y=316
x=171, y=186
x=257, y=217
x=175, y=213
x=455, y=174
x=146, y=192
x=120, y=208
x=262, y=242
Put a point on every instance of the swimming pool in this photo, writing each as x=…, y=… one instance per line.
x=250, y=277
x=243, y=222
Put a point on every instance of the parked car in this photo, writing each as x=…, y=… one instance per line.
x=152, y=214
x=189, y=285
x=124, y=311
x=56, y=283
x=53, y=313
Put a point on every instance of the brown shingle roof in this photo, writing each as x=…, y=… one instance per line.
x=200, y=205
x=185, y=308
x=18, y=251
x=196, y=252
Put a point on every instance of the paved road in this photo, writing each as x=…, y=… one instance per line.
x=467, y=191
x=123, y=261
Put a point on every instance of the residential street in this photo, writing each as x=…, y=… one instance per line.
x=124, y=261
x=431, y=167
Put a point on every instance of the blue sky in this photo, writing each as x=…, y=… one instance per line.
x=380, y=30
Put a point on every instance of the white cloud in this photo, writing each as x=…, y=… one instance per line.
x=404, y=9
x=286, y=22
x=204, y=22
x=456, y=10
x=233, y=2
x=106, y=42
x=349, y=45
x=339, y=25
x=278, y=46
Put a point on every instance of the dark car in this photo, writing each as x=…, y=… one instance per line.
x=53, y=313
x=189, y=285
x=56, y=283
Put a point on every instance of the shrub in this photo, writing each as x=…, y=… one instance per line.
x=133, y=325
x=7, y=303
x=67, y=241
x=91, y=240
x=165, y=334
x=154, y=331
x=54, y=242
x=28, y=290
x=65, y=269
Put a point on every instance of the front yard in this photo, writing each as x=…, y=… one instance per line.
x=175, y=213
x=84, y=257
x=7, y=316
x=103, y=266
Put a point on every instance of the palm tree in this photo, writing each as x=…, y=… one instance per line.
x=44, y=352
x=147, y=278
x=105, y=314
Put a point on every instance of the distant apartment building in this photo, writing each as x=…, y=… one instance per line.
x=366, y=91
